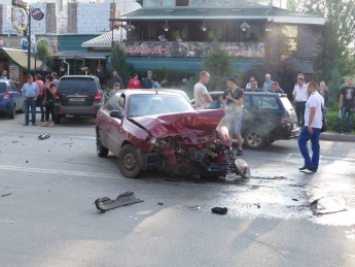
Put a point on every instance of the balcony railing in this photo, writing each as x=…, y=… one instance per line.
x=192, y=49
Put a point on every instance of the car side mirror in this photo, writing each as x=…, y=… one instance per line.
x=116, y=114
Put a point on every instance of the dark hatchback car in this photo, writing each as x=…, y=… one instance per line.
x=154, y=129
x=78, y=95
x=11, y=99
x=266, y=117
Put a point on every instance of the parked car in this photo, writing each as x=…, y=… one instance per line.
x=11, y=99
x=267, y=117
x=159, y=129
x=78, y=95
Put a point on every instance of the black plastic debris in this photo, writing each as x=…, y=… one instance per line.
x=160, y=203
x=219, y=210
x=105, y=203
x=43, y=136
x=295, y=199
x=5, y=195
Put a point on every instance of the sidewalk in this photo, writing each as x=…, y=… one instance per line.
x=331, y=136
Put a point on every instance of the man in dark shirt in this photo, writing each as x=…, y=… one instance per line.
x=115, y=79
x=148, y=81
x=346, y=105
x=232, y=100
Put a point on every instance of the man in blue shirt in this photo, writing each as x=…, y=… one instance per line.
x=30, y=91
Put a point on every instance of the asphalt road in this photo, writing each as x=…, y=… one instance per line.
x=50, y=220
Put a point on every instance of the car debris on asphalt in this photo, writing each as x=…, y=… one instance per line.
x=219, y=210
x=105, y=203
x=5, y=195
x=43, y=136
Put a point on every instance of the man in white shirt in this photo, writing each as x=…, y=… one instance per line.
x=267, y=86
x=300, y=97
x=311, y=129
x=201, y=95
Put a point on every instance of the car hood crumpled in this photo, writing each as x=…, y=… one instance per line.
x=181, y=124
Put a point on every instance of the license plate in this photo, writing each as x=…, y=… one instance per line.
x=77, y=99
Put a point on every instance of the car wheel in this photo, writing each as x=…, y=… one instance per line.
x=128, y=162
x=101, y=150
x=12, y=112
x=255, y=139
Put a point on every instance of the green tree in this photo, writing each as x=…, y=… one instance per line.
x=43, y=52
x=218, y=65
x=117, y=62
x=338, y=32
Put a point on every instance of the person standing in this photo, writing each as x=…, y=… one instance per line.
x=300, y=97
x=253, y=87
x=115, y=89
x=267, y=86
x=232, y=101
x=134, y=83
x=55, y=79
x=148, y=81
x=49, y=101
x=248, y=86
x=30, y=92
x=4, y=75
x=201, y=95
x=39, y=103
x=115, y=78
x=324, y=93
x=311, y=129
x=156, y=84
x=276, y=88
x=346, y=105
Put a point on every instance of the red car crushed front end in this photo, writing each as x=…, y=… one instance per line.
x=186, y=143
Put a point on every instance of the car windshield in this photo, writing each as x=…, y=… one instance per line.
x=145, y=105
x=3, y=88
x=79, y=86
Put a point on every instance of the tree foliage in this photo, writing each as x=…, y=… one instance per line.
x=218, y=65
x=117, y=62
x=338, y=33
x=44, y=53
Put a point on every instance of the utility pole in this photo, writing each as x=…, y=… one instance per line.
x=29, y=42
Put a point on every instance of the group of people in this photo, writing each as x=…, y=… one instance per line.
x=40, y=94
x=311, y=104
x=116, y=83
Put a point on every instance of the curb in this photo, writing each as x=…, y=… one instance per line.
x=327, y=136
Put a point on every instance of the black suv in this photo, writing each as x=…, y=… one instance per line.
x=266, y=117
x=78, y=95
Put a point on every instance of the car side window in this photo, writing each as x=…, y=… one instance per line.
x=246, y=101
x=265, y=102
x=115, y=102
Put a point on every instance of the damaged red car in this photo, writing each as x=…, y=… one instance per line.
x=152, y=129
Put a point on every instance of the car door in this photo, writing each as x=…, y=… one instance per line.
x=266, y=112
x=17, y=96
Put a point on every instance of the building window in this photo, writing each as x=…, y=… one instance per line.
x=182, y=2
x=289, y=41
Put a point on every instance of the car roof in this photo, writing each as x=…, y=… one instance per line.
x=249, y=93
x=78, y=77
x=153, y=92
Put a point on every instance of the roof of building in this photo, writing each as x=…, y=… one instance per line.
x=19, y=57
x=73, y=41
x=105, y=40
x=256, y=12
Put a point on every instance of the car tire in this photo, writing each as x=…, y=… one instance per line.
x=102, y=151
x=12, y=112
x=254, y=138
x=128, y=162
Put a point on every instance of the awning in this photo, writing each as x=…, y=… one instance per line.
x=19, y=57
x=105, y=40
x=182, y=65
x=82, y=54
